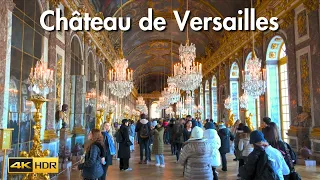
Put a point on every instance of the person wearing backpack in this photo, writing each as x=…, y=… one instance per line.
x=264, y=162
x=226, y=136
x=143, y=129
x=271, y=134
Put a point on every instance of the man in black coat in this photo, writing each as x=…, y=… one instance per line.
x=124, y=146
x=226, y=136
x=144, y=142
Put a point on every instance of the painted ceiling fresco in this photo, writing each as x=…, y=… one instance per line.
x=149, y=53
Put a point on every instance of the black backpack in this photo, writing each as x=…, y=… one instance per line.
x=264, y=169
x=119, y=137
x=144, y=131
x=284, y=150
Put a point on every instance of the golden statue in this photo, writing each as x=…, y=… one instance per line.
x=249, y=123
x=99, y=118
x=231, y=120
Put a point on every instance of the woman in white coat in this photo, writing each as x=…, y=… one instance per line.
x=212, y=136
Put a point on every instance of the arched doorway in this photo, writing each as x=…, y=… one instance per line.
x=214, y=99
x=277, y=83
x=154, y=113
x=234, y=90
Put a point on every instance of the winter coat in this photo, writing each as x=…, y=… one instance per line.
x=196, y=159
x=92, y=167
x=171, y=132
x=178, y=133
x=226, y=136
x=245, y=147
x=236, y=143
x=124, y=146
x=138, y=127
x=108, y=156
x=212, y=136
x=186, y=134
x=157, y=147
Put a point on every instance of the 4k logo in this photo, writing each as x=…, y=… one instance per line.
x=20, y=165
x=33, y=165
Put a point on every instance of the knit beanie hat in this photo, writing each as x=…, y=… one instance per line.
x=196, y=133
x=256, y=136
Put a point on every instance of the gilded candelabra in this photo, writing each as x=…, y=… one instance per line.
x=244, y=106
x=227, y=105
x=99, y=118
x=40, y=84
x=248, y=121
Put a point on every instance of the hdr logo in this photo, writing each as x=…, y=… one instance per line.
x=33, y=165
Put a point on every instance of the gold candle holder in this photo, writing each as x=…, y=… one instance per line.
x=230, y=118
x=36, y=150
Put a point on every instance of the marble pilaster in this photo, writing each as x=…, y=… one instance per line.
x=67, y=76
x=5, y=57
x=52, y=64
x=79, y=104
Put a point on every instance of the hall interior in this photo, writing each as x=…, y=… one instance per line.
x=107, y=76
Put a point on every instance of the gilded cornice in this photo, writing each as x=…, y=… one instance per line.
x=153, y=95
x=100, y=39
x=311, y=5
x=233, y=42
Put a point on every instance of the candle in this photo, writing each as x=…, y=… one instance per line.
x=264, y=74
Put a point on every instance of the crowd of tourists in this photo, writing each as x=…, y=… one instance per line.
x=199, y=147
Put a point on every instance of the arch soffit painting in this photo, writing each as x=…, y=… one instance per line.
x=234, y=70
x=274, y=47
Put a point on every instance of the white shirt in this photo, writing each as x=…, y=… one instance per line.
x=279, y=165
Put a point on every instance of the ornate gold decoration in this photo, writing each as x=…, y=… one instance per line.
x=274, y=46
x=222, y=74
x=288, y=19
x=230, y=118
x=272, y=55
x=315, y=133
x=58, y=80
x=36, y=150
x=248, y=120
x=99, y=118
x=54, y=3
x=305, y=83
x=302, y=23
x=239, y=39
x=311, y=5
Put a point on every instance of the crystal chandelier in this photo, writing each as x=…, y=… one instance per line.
x=179, y=107
x=198, y=109
x=40, y=79
x=103, y=102
x=244, y=101
x=188, y=102
x=254, y=83
x=169, y=111
x=163, y=103
x=90, y=97
x=140, y=103
x=227, y=103
x=188, y=73
x=145, y=110
x=121, y=78
x=171, y=93
x=112, y=106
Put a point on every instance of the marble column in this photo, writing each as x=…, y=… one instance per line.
x=50, y=133
x=5, y=57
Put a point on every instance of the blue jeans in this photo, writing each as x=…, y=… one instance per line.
x=159, y=159
x=144, y=145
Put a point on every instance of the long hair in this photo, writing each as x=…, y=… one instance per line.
x=96, y=138
x=271, y=134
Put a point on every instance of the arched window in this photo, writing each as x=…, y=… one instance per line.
x=101, y=77
x=253, y=107
x=214, y=99
x=207, y=100
x=234, y=89
x=277, y=83
x=26, y=50
x=91, y=73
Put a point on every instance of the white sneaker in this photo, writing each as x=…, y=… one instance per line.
x=162, y=165
x=157, y=164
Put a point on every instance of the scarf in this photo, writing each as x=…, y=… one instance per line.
x=111, y=144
